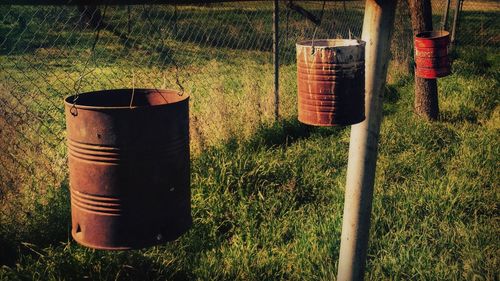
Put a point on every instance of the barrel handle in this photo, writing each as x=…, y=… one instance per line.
x=78, y=83
x=170, y=56
x=133, y=89
x=316, y=27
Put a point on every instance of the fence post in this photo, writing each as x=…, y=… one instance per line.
x=129, y=21
x=444, y=20
x=378, y=25
x=276, y=21
x=175, y=21
x=455, y=22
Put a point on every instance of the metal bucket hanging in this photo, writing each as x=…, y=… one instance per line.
x=331, y=82
x=431, y=54
x=129, y=167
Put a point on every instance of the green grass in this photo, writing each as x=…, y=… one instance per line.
x=267, y=197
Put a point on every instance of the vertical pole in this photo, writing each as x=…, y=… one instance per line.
x=129, y=21
x=444, y=21
x=455, y=22
x=276, y=21
x=378, y=25
x=175, y=20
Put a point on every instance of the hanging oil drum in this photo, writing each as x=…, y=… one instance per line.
x=129, y=168
x=431, y=54
x=331, y=82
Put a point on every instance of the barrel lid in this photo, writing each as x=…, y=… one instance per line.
x=432, y=35
x=331, y=51
x=331, y=43
x=121, y=99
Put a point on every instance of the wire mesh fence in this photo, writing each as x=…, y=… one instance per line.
x=221, y=54
x=479, y=24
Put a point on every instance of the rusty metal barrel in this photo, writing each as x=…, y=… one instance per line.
x=129, y=167
x=331, y=82
x=431, y=54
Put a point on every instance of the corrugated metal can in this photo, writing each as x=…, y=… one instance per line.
x=129, y=167
x=431, y=54
x=331, y=82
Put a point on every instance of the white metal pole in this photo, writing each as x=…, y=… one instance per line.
x=377, y=30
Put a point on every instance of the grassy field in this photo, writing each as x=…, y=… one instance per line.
x=267, y=197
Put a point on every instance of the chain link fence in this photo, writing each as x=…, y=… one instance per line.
x=221, y=54
x=479, y=24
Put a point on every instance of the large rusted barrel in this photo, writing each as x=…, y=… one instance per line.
x=431, y=54
x=129, y=168
x=331, y=82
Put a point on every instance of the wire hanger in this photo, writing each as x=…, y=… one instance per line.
x=83, y=73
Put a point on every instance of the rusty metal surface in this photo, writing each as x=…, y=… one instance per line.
x=128, y=167
x=431, y=54
x=331, y=82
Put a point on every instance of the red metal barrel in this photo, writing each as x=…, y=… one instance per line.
x=331, y=82
x=431, y=54
x=128, y=167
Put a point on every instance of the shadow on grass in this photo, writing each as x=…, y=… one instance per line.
x=391, y=95
x=391, y=98
x=472, y=62
x=46, y=223
x=286, y=132
x=463, y=115
x=479, y=28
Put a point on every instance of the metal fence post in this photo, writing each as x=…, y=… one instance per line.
x=129, y=21
x=444, y=20
x=276, y=21
x=455, y=22
x=175, y=21
x=377, y=30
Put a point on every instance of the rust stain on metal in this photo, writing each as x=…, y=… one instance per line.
x=431, y=54
x=331, y=82
x=128, y=168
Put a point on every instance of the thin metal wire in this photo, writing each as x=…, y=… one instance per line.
x=316, y=27
x=133, y=90
x=78, y=84
x=176, y=65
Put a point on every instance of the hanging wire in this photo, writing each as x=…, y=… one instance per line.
x=170, y=57
x=133, y=89
x=316, y=27
x=287, y=24
x=78, y=82
x=349, y=28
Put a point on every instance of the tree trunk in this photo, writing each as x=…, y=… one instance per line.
x=426, y=98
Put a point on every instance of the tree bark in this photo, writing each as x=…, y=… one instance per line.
x=426, y=96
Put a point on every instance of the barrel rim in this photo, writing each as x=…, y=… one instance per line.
x=331, y=43
x=432, y=35
x=69, y=100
